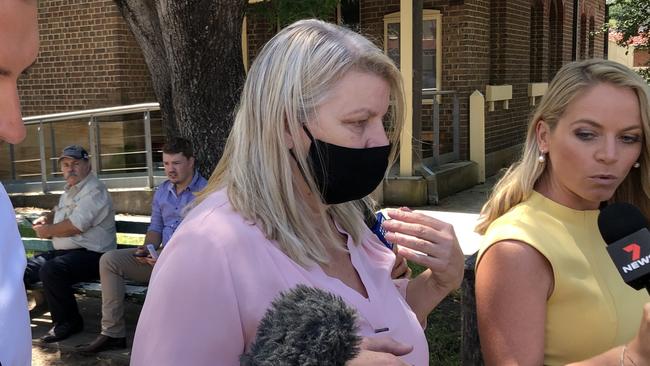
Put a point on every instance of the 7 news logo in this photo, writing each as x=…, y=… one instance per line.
x=637, y=261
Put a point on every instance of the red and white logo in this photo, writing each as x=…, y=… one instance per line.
x=635, y=249
x=637, y=260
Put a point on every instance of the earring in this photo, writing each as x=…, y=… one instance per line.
x=541, y=158
x=636, y=164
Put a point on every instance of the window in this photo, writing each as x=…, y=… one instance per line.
x=431, y=45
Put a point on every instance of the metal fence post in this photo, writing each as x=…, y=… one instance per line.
x=12, y=157
x=94, y=151
x=477, y=132
x=147, y=142
x=41, y=149
x=54, y=162
x=435, y=115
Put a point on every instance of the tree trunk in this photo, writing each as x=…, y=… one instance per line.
x=193, y=51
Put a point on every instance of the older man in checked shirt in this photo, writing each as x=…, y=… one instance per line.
x=168, y=208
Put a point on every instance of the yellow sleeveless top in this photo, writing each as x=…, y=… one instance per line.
x=591, y=309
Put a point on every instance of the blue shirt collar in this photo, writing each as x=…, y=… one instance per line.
x=192, y=187
x=194, y=183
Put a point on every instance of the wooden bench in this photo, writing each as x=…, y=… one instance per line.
x=135, y=292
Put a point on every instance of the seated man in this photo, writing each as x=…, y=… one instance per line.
x=167, y=210
x=82, y=228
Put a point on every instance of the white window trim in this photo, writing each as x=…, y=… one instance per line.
x=427, y=14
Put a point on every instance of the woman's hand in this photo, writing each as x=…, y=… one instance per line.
x=401, y=268
x=429, y=242
x=381, y=351
x=639, y=348
x=636, y=353
x=432, y=244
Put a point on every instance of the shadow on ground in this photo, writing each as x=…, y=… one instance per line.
x=64, y=353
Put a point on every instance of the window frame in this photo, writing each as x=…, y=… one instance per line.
x=427, y=14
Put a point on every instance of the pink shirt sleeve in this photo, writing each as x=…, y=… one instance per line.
x=188, y=308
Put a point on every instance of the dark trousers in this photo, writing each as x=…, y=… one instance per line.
x=59, y=270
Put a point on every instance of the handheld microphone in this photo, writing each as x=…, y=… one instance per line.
x=624, y=229
x=305, y=326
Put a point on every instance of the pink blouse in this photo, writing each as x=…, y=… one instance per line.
x=218, y=275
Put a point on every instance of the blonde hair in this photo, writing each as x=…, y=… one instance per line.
x=288, y=80
x=572, y=80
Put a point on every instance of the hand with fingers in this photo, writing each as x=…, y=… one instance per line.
x=380, y=351
x=639, y=348
x=433, y=244
x=401, y=268
x=141, y=254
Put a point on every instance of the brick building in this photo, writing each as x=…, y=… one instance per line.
x=469, y=44
x=89, y=58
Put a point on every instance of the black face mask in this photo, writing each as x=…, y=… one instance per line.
x=344, y=174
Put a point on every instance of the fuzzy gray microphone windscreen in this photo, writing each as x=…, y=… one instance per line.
x=305, y=326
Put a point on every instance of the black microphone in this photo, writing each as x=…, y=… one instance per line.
x=624, y=229
x=305, y=326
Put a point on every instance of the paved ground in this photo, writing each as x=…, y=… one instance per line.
x=63, y=353
x=461, y=210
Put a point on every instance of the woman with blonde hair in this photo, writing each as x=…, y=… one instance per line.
x=284, y=207
x=546, y=290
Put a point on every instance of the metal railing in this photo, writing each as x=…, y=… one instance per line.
x=94, y=145
x=447, y=157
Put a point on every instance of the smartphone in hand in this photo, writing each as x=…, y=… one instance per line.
x=380, y=231
x=152, y=251
x=140, y=253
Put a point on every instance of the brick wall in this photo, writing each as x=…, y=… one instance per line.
x=641, y=58
x=512, y=42
x=464, y=56
x=539, y=42
x=88, y=58
x=259, y=30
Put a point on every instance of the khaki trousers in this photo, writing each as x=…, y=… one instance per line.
x=114, y=267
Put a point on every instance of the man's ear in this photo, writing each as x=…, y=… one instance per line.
x=192, y=161
x=543, y=134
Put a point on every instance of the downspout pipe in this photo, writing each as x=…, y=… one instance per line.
x=574, y=43
x=606, y=35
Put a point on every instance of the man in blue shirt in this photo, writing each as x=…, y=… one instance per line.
x=167, y=211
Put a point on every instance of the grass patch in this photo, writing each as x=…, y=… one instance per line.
x=26, y=231
x=131, y=239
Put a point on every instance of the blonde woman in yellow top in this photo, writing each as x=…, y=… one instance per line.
x=546, y=290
